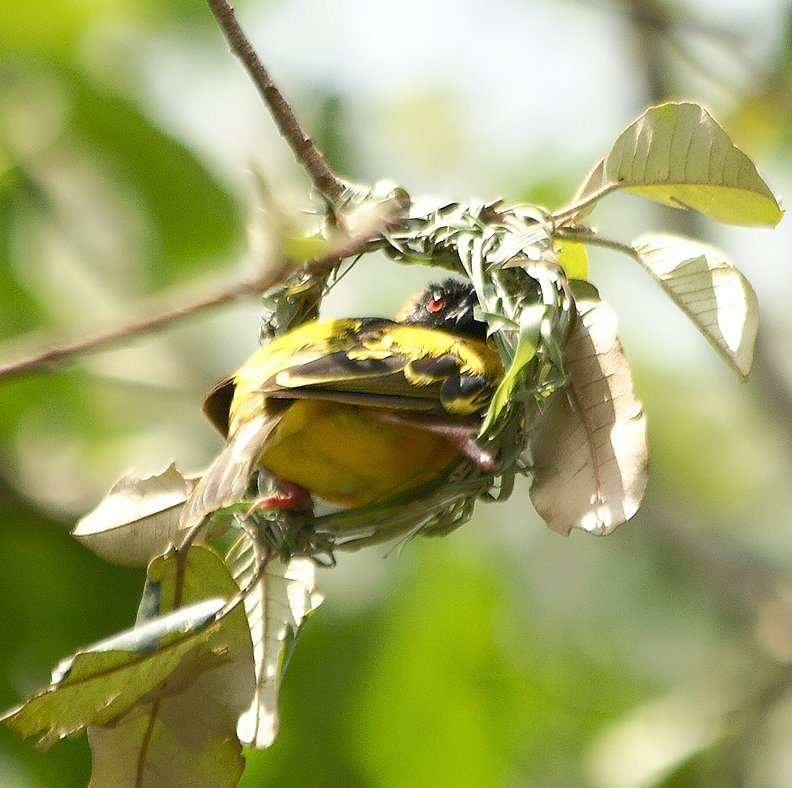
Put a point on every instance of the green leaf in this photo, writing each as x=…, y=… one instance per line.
x=186, y=734
x=677, y=154
x=137, y=520
x=709, y=290
x=148, y=636
x=276, y=609
x=200, y=674
x=531, y=319
x=589, y=445
x=99, y=686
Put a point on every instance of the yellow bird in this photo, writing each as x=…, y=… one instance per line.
x=354, y=410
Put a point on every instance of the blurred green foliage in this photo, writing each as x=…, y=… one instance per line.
x=504, y=655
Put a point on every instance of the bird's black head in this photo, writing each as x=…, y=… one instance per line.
x=446, y=305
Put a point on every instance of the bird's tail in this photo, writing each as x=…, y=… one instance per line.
x=226, y=480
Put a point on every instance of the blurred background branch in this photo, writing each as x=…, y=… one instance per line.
x=274, y=274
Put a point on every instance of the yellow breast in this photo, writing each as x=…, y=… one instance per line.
x=344, y=455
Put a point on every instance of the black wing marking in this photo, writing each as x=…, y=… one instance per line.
x=389, y=401
x=359, y=375
x=218, y=403
x=472, y=390
x=434, y=367
x=339, y=368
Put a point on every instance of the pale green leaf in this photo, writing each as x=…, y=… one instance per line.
x=531, y=319
x=99, y=688
x=137, y=520
x=101, y=685
x=589, y=444
x=191, y=757
x=276, y=608
x=678, y=155
x=162, y=666
x=589, y=193
x=186, y=736
x=709, y=290
x=148, y=636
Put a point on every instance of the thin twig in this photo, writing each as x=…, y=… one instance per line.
x=586, y=236
x=565, y=214
x=190, y=536
x=298, y=139
x=58, y=357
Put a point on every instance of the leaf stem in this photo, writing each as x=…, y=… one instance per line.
x=565, y=214
x=298, y=139
x=586, y=236
x=189, y=538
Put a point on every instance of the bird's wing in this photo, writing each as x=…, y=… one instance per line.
x=226, y=480
x=388, y=365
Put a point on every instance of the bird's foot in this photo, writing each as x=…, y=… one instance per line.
x=286, y=496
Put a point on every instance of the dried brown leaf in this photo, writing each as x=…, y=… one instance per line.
x=589, y=445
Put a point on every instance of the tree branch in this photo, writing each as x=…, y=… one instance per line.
x=58, y=357
x=298, y=139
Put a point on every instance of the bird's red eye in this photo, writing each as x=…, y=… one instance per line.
x=436, y=301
